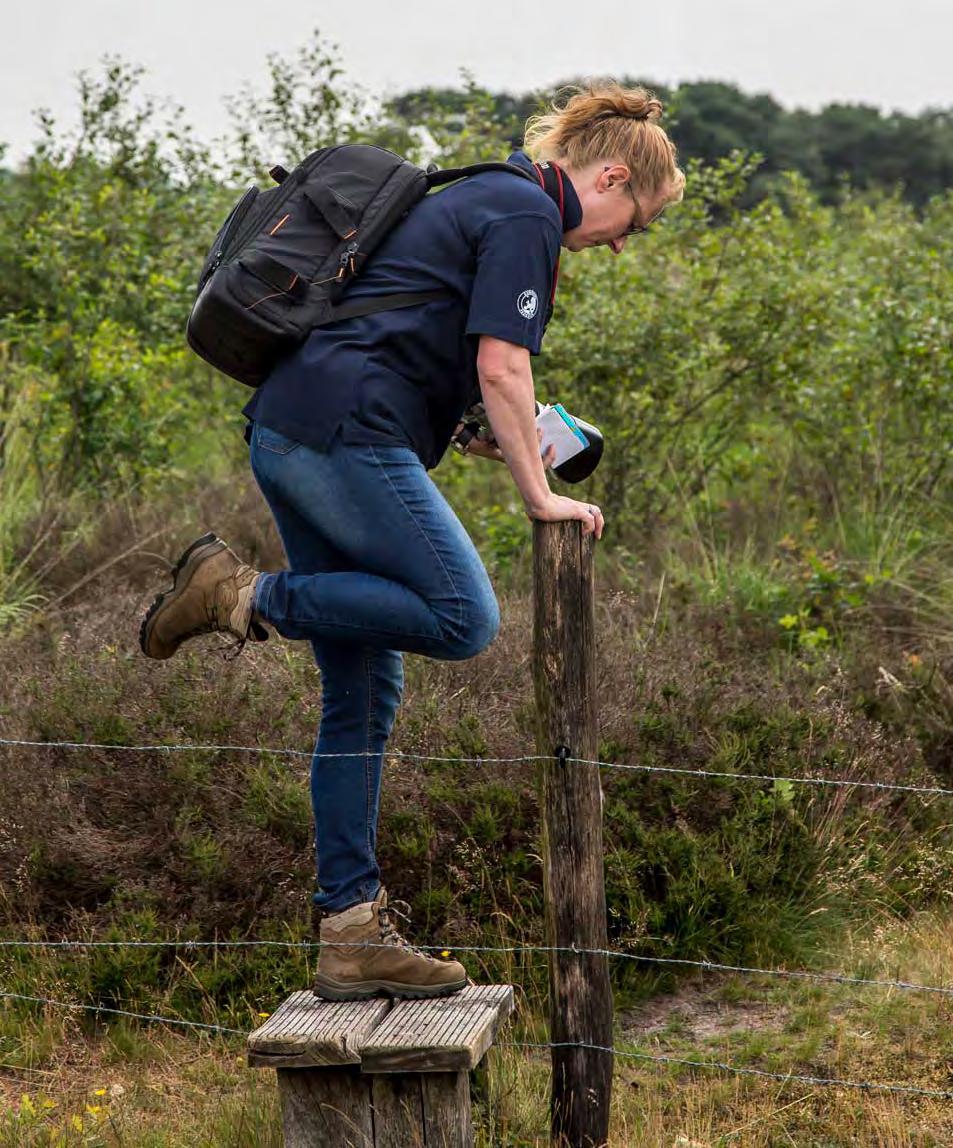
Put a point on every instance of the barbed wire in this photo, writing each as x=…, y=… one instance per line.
x=616, y=1053
x=837, y=782
x=572, y=950
x=841, y=783
x=157, y=748
x=711, y=966
x=786, y=1077
x=277, y=751
x=123, y=1012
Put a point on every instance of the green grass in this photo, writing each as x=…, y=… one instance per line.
x=127, y=1082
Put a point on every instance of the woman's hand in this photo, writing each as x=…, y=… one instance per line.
x=558, y=508
x=490, y=450
x=483, y=449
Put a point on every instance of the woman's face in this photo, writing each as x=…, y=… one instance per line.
x=610, y=207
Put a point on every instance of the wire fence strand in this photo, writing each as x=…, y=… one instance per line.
x=512, y=950
x=709, y=966
x=786, y=1077
x=616, y=1053
x=123, y=1012
x=834, y=782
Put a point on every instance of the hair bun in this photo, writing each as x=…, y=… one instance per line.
x=648, y=108
x=601, y=120
x=637, y=105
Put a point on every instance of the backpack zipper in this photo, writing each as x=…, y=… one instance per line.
x=346, y=257
x=241, y=210
x=286, y=190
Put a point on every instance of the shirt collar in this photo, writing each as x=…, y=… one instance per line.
x=572, y=209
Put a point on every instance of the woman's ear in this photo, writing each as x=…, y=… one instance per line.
x=611, y=175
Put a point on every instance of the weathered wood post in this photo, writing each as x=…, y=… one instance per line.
x=571, y=807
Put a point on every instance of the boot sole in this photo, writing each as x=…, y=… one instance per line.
x=331, y=990
x=186, y=565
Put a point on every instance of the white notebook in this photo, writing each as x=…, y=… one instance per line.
x=560, y=430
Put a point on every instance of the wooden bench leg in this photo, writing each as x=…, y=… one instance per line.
x=343, y=1108
x=447, y=1117
x=422, y=1110
x=326, y=1108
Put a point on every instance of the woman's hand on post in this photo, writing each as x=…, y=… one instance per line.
x=558, y=508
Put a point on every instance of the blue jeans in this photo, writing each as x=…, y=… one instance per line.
x=378, y=563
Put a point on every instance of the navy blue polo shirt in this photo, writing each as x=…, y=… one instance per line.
x=406, y=376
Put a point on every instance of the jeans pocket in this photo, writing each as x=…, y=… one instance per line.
x=274, y=441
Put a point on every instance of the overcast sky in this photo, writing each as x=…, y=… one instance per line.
x=805, y=53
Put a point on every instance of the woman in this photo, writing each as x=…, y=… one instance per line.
x=342, y=434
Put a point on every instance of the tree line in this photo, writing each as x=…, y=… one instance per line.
x=841, y=143
x=761, y=327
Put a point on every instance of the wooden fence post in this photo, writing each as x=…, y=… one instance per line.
x=571, y=808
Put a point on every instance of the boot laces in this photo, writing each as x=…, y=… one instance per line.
x=212, y=625
x=389, y=933
x=216, y=621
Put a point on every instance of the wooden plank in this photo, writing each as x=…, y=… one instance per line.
x=305, y=1030
x=447, y=1119
x=439, y=1035
x=398, y=1111
x=571, y=815
x=326, y=1108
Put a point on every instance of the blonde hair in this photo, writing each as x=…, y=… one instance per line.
x=603, y=121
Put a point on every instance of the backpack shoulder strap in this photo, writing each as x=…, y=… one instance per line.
x=436, y=178
x=393, y=301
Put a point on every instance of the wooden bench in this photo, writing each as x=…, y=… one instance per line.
x=379, y=1073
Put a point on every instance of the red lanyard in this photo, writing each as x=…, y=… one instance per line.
x=561, y=203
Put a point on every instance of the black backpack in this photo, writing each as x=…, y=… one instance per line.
x=283, y=257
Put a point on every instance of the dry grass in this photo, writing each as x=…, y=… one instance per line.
x=168, y=1090
x=146, y=1088
x=827, y=1031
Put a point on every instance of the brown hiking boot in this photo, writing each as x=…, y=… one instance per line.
x=363, y=955
x=211, y=591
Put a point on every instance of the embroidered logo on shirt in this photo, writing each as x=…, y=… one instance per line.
x=527, y=304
